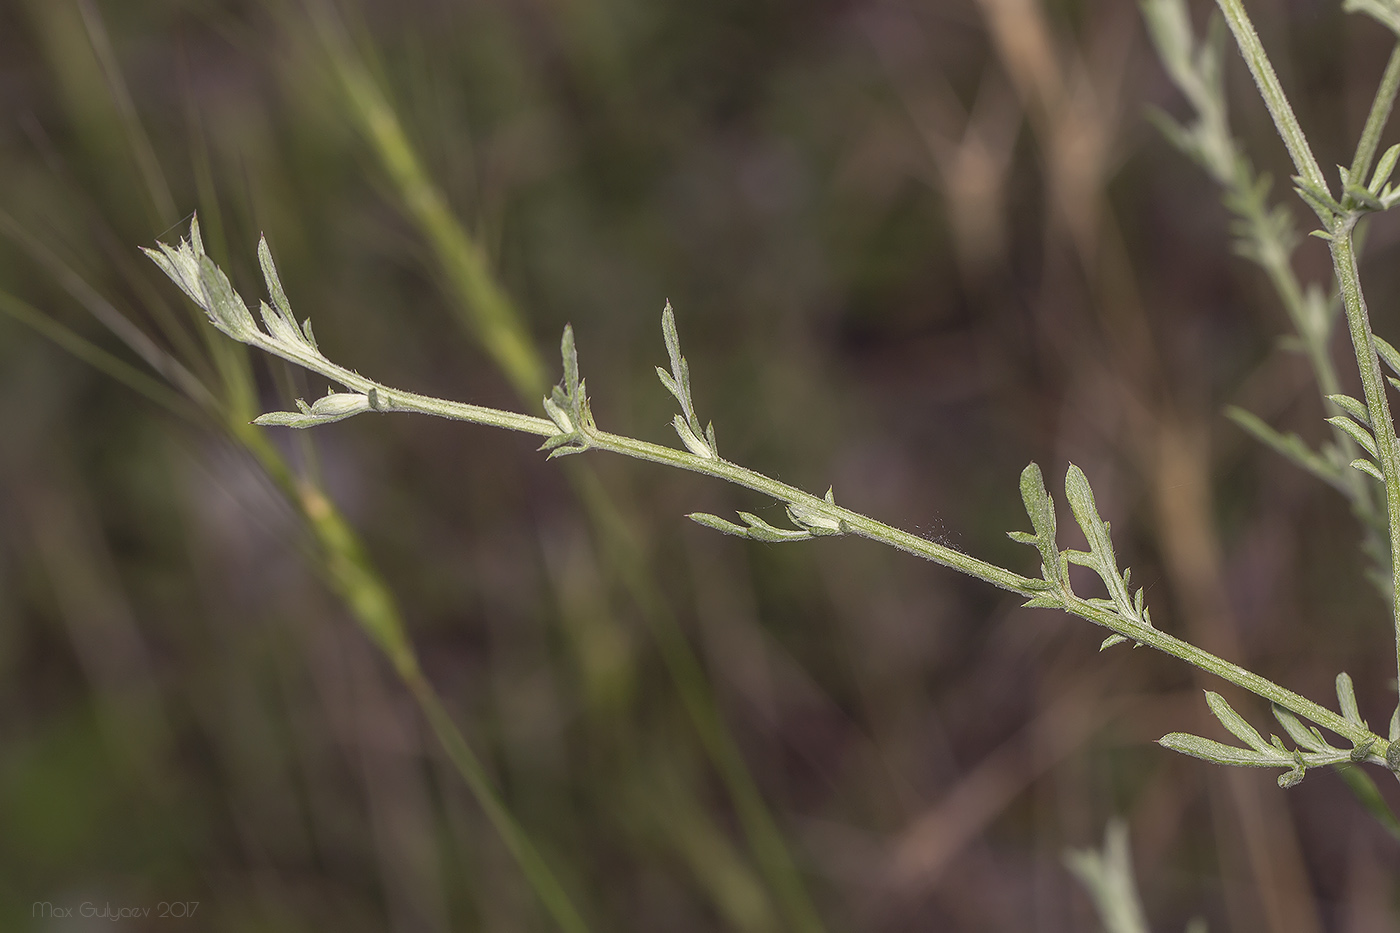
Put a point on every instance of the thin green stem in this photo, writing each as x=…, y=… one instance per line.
x=1376, y=120
x=1340, y=230
x=1269, y=88
x=855, y=523
x=1368, y=363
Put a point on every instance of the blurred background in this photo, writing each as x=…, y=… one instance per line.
x=911, y=247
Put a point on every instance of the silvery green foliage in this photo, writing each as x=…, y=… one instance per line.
x=1126, y=604
x=570, y=428
x=1377, y=195
x=567, y=405
x=1107, y=875
x=811, y=524
x=677, y=382
x=207, y=286
x=1266, y=235
x=1311, y=750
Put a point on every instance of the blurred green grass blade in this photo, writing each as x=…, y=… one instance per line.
x=354, y=579
x=487, y=310
x=97, y=358
x=157, y=188
x=122, y=327
x=1366, y=791
x=764, y=835
x=536, y=870
x=362, y=589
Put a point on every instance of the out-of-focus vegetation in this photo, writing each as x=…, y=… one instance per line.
x=913, y=247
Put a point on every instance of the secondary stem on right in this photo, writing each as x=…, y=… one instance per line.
x=1368, y=364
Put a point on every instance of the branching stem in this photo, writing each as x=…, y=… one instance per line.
x=866, y=527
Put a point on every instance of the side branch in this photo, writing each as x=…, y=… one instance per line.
x=570, y=429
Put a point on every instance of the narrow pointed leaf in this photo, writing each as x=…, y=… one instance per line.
x=1298, y=732
x=1354, y=407
x=1220, y=753
x=1346, y=699
x=1235, y=722
x=1356, y=431
x=718, y=524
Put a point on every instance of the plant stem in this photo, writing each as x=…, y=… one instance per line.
x=1368, y=363
x=1344, y=257
x=1376, y=120
x=866, y=527
x=1282, y=112
x=1340, y=227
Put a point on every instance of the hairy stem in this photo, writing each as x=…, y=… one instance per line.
x=1368, y=363
x=855, y=523
x=1269, y=88
x=1376, y=120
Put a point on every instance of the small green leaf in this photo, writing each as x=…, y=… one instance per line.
x=1356, y=432
x=1354, y=407
x=1364, y=198
x=274, y=284
x=1234, y=722
x=1298, y=732
x=337, y=406
x=1369, y=468
x=569, y=354
x=1220, y=753
x=559, y=416
x=225, y=308
x=1319, y=198
x=688, y=437
x=813, y=520
x=278, y=327
x=1346, y=700
x=1387, y=353
x=1097, y=532
x=1383, y=169
x=718, y=524
x=1041, y=510
x=760, y=530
